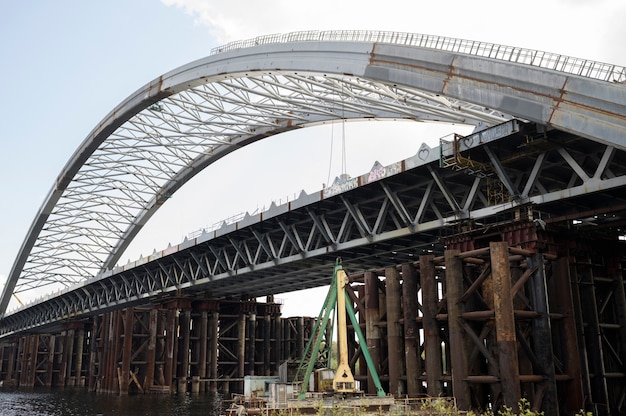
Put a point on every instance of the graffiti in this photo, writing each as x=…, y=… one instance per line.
x=379, y=171
x=340, y=186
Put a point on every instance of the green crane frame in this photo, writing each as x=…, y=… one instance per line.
x=314, y=347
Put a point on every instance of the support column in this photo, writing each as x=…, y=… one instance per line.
x=170, y=339
x=279, y=354
x=505, y=324
x=459, y=350
x=50, y=360
x=12, y=359
x=203, y=353
x=542, y=332
x=241, y=349
x=300, y=341
x=183, y=349
x=267, y=344
x=362, y=370
x=124, y=374
x=251, y=346
x=95, y=369
x=79, y=379
x=432, y=341
x=67, y=365
x=372, y=317
x=151, y=351
x=394, y=332
x=214, y=350
x=575, y=397
x=411, y=330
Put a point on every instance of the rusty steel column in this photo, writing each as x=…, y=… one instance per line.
x=117, y=352
x=12, y=361
x=126, y=350
x=151, y=349
x=362, y=376
x=459, y=349
x=66, y=350
x=411, y=330
x=562, y=297
x=301, y=341
x=109, y=363
x=505, y=324
x=279, y=354
x=170, y=339
x=542, y=332
x=50, y=360
x=95, y=370
x=78, y=362
x=182, y=371
x=21, y=351
x=432, y=340
x=241, y=350
x=30, y=361
x=617, y=275
x=394, y=332
x=372, y=317
x=592, y=330
x=251, y=345
x=214, y=346
x=267, y=344
x=203, y=344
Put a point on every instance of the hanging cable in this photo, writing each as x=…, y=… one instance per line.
x=330, y=162
x=344, y=167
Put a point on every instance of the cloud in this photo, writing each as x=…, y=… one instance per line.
x=581, y=30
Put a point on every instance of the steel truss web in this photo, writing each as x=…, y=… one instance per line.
x=154, y=142
x=85, y=232
x=395, y=218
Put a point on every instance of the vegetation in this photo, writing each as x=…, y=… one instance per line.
x=433, y=407
x=442, y=407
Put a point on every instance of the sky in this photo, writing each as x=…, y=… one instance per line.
x=66, y=64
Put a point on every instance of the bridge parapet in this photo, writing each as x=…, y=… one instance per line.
x=547, y=60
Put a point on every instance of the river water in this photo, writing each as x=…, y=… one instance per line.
x=79, y=402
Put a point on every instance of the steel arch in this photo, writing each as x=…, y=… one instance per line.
x=172, y=128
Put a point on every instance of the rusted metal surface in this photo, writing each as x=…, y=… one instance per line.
x=459, y=350
x=568, y=340
x=505, y=324
x=395, y=354
x=432, y=341
x=411, y=330
x=372, y=331
x=542, y=333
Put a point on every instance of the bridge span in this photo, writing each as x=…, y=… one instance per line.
x=512, y=236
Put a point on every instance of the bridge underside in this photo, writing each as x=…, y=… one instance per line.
x=504, y=313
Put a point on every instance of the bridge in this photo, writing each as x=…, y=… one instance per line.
x=547, y=156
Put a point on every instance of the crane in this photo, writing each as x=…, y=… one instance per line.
x=318, y=348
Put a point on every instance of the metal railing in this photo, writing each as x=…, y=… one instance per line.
x=547, y=60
